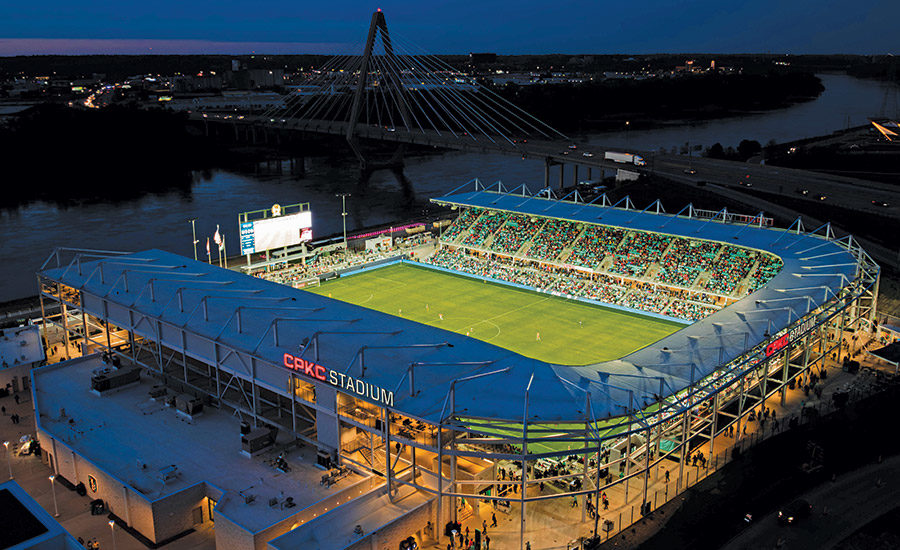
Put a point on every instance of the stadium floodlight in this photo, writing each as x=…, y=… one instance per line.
x=194, y=235
x=343, y=197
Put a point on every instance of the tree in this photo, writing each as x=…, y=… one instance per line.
x=716, y=151
x=747, y=148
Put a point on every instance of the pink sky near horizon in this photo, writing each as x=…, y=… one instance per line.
x=91, y=46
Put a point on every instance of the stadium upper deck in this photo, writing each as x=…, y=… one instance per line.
x=432, y=374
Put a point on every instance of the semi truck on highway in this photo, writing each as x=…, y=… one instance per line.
x=625, y=158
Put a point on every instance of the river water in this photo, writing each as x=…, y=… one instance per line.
x=28, y=234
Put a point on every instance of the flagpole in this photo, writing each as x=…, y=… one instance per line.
x=219, y=254
x=225, y=251
x=208, y=252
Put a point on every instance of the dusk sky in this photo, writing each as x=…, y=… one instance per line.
x=444, y=26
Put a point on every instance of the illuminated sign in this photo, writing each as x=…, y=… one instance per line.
x=339, y=380
x=92, y=484
x=276, y=232
x=777, y=345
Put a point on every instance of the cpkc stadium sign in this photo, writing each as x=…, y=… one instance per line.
x=796, y=332
x=339, y=380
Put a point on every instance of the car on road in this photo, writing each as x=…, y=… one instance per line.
x=689, y=171
x=587, y=154
x=745, y=183
x=794, y=512
x=883, y=204
x=821, y=197
x=803, y=191
x=573, y=146
x=564, y=153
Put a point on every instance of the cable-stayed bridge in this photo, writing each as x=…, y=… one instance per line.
x=392, y=91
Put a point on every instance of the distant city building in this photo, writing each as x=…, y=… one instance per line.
x=228, y=101
x=21, y=350
x=255, y=79
x=202, y=82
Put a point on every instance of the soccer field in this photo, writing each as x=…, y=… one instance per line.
x=540, y=326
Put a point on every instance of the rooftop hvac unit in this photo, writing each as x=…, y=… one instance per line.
x=108, y=379
x=168, y=474
x=188, y=404
x=257, y=440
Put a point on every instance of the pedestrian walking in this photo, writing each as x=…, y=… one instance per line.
x=493, y=519
x=3, y=408
x=16, y=397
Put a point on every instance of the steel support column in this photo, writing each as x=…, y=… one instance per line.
x=387, y=451
x=547, y=172
x=440, y=484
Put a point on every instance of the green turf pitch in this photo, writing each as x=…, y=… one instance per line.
x=541, y=326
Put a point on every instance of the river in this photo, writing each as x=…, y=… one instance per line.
x=29, y=233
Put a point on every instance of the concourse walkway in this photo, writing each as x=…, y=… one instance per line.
x=556, y=524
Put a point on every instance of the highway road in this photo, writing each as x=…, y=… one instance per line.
x=850, y=193
x=839, y=510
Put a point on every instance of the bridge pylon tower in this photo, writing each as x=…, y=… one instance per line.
x=391, y=80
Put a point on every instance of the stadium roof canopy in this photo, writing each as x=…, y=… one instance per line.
x=455, y=374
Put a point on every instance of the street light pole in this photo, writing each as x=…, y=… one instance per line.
x=53, y=488
x=8, y=458
x=343, y=197
x=194, y=235
x=112, y=528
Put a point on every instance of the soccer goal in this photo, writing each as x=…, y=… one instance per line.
x=308, y=283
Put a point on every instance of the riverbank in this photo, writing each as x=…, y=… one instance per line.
x=649, y=103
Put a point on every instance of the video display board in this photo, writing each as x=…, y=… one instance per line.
x=277, y=232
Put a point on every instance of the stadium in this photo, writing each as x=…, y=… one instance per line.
x=535, y=358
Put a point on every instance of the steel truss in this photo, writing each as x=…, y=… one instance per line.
x=665, y=426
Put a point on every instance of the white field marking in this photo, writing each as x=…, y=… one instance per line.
x=496, y=326
x=390, y=280
x=491, y=319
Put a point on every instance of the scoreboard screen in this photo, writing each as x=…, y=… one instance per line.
x=277, y=232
